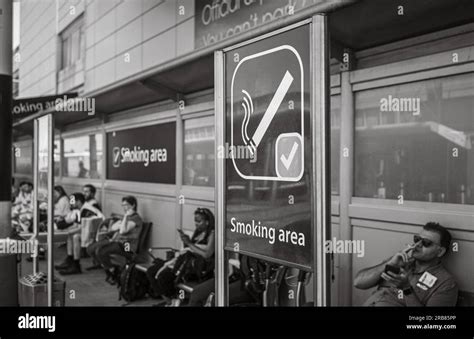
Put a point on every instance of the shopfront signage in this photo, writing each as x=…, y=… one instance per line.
x=22, y=108
x=217, y=20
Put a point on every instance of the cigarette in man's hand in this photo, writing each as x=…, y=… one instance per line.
x=409, y=248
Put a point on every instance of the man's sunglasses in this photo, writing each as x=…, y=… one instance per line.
x=425, y=242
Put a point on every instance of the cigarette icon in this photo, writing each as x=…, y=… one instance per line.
x=252, y=143
x=272, y=108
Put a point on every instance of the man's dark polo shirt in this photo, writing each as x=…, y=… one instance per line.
x=444, y=292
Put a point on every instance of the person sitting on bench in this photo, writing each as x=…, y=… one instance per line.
x=89, y=192
x=107, y=230
x=195, y=261
x=62, y=207
x=125, y=238
x=415, y=276
x=71, y=265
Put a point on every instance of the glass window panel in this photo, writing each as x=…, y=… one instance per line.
x=65, y=53
x=57, y=156
x=82, y=157
x=75, y=45
x=199, y=151
x=82, y=43
x=335, y=142
x=72, y=43
x=44, y=153
x=416, y=140
x=23, y=157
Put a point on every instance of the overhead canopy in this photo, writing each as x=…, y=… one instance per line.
x=190, y=77
x=370, y=23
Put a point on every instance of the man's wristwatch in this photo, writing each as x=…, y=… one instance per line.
x=407, y=291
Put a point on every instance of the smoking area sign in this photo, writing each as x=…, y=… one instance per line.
x=267, y=119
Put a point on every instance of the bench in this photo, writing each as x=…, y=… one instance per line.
x=89, y=228
x=59, y=236
x=138, y=257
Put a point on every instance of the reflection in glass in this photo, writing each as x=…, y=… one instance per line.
x=43, y=151
x=57, y=156
x=199, y=151
x=335, y=142
x=23, y=157
x=83, y=157
x=423, y=150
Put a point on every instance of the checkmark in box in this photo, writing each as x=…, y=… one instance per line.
x=289, y=156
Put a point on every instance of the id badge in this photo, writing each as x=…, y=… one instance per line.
x=428, y=279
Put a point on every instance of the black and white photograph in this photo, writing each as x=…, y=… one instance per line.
x=301, y=162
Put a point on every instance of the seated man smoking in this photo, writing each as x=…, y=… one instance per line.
x=415, y=276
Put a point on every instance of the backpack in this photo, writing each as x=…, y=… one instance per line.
x=192, y=267
x=133, y=284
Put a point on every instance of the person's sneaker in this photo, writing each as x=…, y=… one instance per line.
x=65, y=264
x=73, y=269
x=84, y=253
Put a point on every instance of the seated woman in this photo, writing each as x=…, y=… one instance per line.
x=195, y=261
x=126, y=233
x=62, y=207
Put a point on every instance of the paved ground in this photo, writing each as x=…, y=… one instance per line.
x=88, y=288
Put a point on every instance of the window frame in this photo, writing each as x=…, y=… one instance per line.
x=191, y=117
x=63, y=136
x=66, y=39
x=16, y=143
x=427, y=67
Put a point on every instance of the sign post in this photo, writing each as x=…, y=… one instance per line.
x=8, y=265
x=43, y=189
x=271, y=112
x=321, y=185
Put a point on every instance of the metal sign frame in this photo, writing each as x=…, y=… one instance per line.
x=50, y=201
x=321, y=138
x=320, y=198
